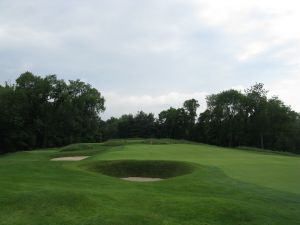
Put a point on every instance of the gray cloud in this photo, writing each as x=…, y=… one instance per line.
x=151, y=48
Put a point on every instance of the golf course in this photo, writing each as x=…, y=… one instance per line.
x=195, y=184
x=118, y=112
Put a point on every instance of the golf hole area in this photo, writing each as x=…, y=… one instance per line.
x=142, y=170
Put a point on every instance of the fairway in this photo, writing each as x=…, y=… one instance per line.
x=221, y=186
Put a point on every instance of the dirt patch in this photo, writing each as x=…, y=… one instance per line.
x=142, y=179
x=70, y=158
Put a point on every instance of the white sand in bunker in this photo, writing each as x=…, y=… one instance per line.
x=70, y=158
x=142, y=179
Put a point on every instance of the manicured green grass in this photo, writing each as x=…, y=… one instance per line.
x=225, y=187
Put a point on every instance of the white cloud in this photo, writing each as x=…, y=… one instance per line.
x=287, y=90
x=118, y=104
x=252, y=50
x=256, y=25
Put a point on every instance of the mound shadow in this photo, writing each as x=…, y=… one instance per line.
x=141, y=168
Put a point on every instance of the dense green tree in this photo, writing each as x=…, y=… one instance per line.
x=191, y=106
x=224, y=117
x=257, y=112
x=281, y=126
x=12, y=134
x=126, y=126
x=110, y=128
x=173, y=123
x=233, y=118
x=144, y=125
x=129, y=126
x=43, y=112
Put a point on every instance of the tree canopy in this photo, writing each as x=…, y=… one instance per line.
x=46, y=112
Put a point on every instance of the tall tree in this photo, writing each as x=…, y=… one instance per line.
x=173, y=123
x=224, y=117
x=256, y=108
x=191, y=106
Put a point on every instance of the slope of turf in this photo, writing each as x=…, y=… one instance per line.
x=225, y=187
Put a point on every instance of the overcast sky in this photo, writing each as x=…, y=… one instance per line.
x=150, y=55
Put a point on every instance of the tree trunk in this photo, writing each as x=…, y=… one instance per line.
x=230, y=140
x=261, y=140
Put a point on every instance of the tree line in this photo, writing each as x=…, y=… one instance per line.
x=39, y=112
x=232, y=118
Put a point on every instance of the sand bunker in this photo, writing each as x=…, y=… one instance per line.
x=140, y=170
x=70, y=158
x=142, y=179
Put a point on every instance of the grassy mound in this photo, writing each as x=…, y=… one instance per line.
x=157, y=141
x=79, y=146
x=141, y=168
x=80, y=149
x=165, y=141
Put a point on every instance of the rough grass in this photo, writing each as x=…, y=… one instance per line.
x=226, y=187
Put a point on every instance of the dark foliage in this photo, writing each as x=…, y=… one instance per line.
x=233, y=118
x=45, y=112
